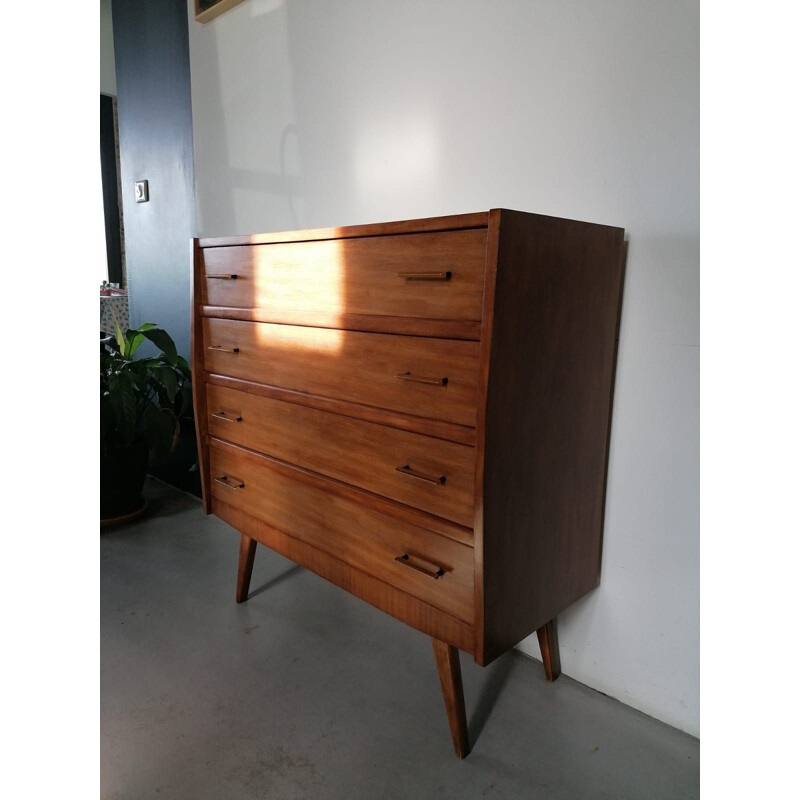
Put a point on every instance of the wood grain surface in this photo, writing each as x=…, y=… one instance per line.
x=352, y=450
x=348, y=365
x=449, y=669
x=367, y=539
x=393, y=228
x=401, y=605
x=247, y=555
x=374, y=323
x=435, y=428
x=197, y=359
x=548, y=398
x=366, y=276
x=548, y=644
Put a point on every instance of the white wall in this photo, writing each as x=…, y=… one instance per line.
x=313, y=114
x=108, y=79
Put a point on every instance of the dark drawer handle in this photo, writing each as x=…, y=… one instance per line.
x=407, y=376
x=406, y=470
x=421, y=565
x=425, y=276
x=230, y=276
x=224, y=417
x=231, y=483
x=220, y=349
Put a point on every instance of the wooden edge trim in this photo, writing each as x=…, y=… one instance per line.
x=492, y=248
x=469, y=330
x=429, y=225
x=421, y=519
x=623, y=256
x=396, y=603
x=210, y=13
x=198, y=372
x=436, y=429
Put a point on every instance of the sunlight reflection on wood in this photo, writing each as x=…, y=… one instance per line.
x=284, y=276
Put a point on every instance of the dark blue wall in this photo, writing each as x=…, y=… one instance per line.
x=154, y=106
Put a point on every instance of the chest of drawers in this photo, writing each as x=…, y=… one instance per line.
x=419, y=412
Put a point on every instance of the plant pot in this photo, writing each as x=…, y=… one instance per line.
x=122, y=474
x=176, y=469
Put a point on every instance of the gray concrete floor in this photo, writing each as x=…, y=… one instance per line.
x=307, y=692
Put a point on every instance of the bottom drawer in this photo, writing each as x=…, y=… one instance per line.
x=422, y=563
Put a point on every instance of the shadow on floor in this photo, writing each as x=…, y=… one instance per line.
x=272, y=583
x=490, y=691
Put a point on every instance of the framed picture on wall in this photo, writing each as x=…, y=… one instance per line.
x=205, y=10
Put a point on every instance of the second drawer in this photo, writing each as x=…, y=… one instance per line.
x=431, y=378
x=430, y=474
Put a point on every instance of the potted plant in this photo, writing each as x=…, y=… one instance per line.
x=142, y=404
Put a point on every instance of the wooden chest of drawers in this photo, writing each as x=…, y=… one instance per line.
x=418, y=412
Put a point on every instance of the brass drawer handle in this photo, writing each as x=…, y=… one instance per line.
x=224, y=417
x=421, y=565
x=407, y=376
x=425, y=276
x=406, y=470
x=230, y=276
x=220, y=349
x=231, y=483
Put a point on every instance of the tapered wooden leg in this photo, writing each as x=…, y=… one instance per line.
x=453, y=692
x=247, y=555
x=548, y=644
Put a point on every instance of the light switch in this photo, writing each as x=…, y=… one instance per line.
x=141, y=191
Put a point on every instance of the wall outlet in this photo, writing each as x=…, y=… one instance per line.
x=141, y=191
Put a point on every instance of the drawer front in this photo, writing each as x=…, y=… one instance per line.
x=394, y=551
x=427, y=275
x=432, y=378
x=427, y=473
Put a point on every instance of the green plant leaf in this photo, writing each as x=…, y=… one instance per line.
x=137, y=375
x=168, y=379
x=183, y=366
x=106, y=363
x=163, y=341
x=118, y=334
x=184, y=406
x=123, y=403
x=152, y=361
x=134, y=339
x=162, y=428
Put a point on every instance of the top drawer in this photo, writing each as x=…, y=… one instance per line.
x=424, y=275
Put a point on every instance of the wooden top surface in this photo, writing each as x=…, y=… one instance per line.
x=427, y=224
x=453, y=222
